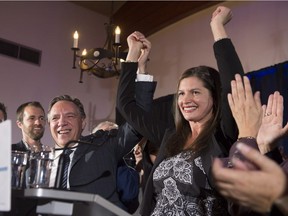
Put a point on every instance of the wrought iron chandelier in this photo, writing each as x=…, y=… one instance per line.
x=100, y=62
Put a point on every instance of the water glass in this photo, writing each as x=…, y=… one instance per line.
x=19, y=161
x=40, y=166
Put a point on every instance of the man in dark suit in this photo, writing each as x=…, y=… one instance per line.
x=31, y=120
x=93, y=166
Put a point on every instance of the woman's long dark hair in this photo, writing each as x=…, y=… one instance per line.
x=211, y=80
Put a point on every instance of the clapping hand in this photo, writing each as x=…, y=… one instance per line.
x=256, y=189
x=246, y=108
x=271, y=128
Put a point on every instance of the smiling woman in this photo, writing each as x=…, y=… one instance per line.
x=187, y=146
x=199, y=93
x=181, y=181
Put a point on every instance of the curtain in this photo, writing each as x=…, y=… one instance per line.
x=268, y=80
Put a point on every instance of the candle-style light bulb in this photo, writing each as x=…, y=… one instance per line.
x=75, y=41
x=84, y=52
x=117, y=35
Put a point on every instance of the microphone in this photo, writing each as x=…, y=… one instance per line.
x=60, y=168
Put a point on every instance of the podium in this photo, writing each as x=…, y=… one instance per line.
x=58, y=202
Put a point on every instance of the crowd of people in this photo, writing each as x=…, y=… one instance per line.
x=209, y=149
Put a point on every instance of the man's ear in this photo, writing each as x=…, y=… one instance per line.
x=19, y=124
x=83, y=124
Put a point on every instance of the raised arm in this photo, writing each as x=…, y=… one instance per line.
x=135, y=99
x=228, y=64
x=226, y=56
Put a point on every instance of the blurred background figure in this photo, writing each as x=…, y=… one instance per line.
x=128, y=180
x=105, y=125
x=3, y=112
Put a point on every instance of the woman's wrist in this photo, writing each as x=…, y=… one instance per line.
x=246, y=138
x=247, y=132
x=264, y=148
x=218, y=31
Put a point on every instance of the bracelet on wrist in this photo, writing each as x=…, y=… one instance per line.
x=248, y=137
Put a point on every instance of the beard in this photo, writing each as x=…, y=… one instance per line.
x=36, y=135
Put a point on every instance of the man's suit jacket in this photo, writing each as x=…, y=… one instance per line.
x=94, y=167
x=20, y=146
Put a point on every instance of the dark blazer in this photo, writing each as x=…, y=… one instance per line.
x=228, y=64
x=159, y=130
x=139, y=117
x=20, y=146
x=93, y=168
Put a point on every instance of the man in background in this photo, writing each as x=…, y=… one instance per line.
x=31, y=120
x=128, y=179
x=3, y=112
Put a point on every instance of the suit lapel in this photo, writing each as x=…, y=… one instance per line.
x=79, y=152
x=82, y=149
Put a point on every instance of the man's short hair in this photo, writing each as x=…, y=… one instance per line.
x=76, y=101
x=21, y=108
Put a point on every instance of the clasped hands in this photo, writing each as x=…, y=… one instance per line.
x=139, y=48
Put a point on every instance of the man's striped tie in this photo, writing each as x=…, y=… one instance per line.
x=67, y=153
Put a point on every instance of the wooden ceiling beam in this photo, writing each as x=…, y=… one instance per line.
x=149, y=17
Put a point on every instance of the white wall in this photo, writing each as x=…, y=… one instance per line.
x=259, y=31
